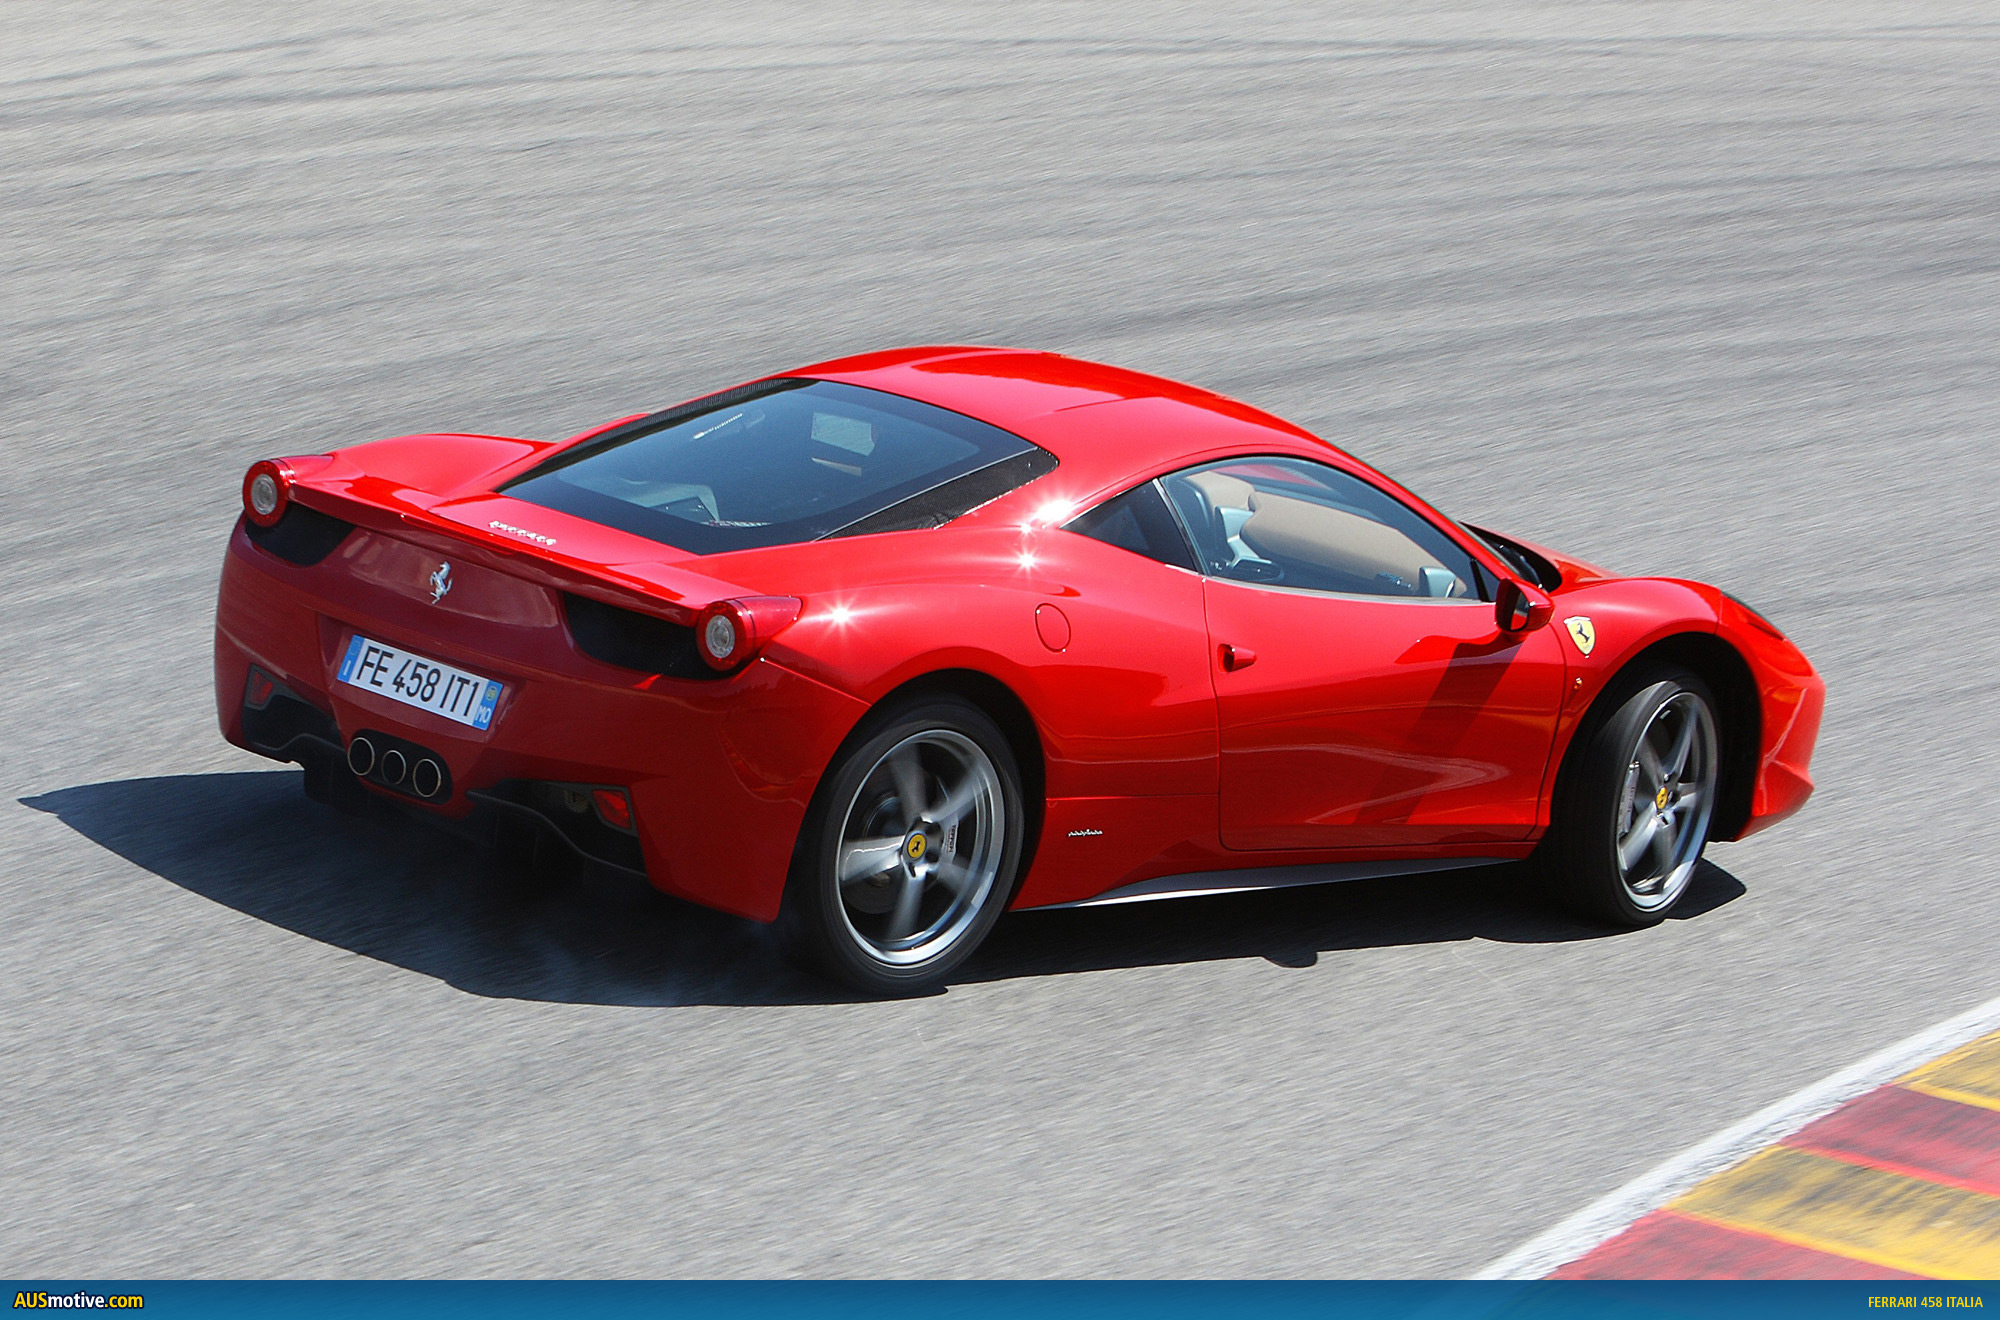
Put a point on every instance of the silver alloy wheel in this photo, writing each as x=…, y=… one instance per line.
x=1668, y=797
x=920, y=847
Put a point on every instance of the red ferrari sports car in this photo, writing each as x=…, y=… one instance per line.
x=878, y=648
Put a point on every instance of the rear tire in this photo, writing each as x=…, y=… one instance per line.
x=1634, y=802
x=910, y=850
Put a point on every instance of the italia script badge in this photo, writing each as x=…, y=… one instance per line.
x=440, y=582
x=1582, y=632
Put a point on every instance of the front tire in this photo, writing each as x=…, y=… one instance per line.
x=910, y=851
x=1632, y=810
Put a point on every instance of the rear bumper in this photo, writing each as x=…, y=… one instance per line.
x=720, y=773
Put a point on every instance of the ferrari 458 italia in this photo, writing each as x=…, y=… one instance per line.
x=879, y=648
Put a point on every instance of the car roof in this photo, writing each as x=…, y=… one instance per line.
x=1099, y=420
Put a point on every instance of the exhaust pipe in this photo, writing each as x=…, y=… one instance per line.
x=392, y=763
x=361, y=756
x=427, y=778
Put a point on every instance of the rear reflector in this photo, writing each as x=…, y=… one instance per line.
x=613, y=807
x=257, y=691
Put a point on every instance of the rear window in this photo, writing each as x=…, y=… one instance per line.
x=784, y=461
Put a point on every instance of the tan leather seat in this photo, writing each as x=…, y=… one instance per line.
x=1223, y=491
x=1286, y=528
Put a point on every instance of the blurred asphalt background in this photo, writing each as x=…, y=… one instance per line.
x=1702, y=289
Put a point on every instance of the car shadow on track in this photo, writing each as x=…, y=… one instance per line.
x=1294, y=927
x=403, y=893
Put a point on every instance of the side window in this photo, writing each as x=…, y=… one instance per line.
x=1292, y=523
x=1137, y=521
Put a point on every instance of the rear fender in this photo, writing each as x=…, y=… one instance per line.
x=1116, y=676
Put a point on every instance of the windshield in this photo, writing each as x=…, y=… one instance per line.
x=790, y=460
x=1519, y=558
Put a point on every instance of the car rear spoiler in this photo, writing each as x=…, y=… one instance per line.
x=499, y=533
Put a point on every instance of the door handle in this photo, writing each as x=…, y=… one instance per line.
x=1237, y=657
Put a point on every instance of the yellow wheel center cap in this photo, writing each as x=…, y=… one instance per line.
x=914, y=848
x=1660, y=800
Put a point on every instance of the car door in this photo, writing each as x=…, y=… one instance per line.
x=1366, y=695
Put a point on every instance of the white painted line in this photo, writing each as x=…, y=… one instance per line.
x=1603, y=1218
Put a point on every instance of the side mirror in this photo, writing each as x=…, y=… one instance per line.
x=1521, y=608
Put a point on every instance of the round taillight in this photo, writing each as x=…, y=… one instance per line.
x=730, y=632
x=266, y=491
x=719, y=638
x=264, y=495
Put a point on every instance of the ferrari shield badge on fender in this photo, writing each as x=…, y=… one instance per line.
x=1582, y=632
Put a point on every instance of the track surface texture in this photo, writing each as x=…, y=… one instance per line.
x=1706, y=290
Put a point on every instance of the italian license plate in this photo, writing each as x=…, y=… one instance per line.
x=411, y=679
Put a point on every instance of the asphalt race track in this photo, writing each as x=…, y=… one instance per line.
x=1706, y=290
